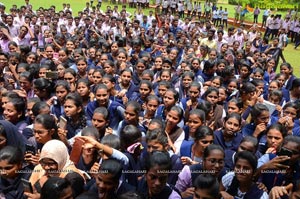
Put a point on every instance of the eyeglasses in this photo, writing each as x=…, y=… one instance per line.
x=215, y=161
x=49, y=164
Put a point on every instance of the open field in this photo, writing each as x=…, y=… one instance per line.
x=291, y=55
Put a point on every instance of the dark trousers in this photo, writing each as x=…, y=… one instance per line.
x=255, y=18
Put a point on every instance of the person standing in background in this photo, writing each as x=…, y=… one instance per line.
x=265, y=17
x=255, y=14
x=237, y=13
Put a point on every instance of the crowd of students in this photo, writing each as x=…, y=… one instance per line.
x=104, y=105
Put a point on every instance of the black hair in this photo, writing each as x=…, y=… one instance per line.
x=202, y=132
x=38, y=106
x=158, y=135
x=27, y=75
x=238, y=102
x=90, y=131
x=245, y=155
x=175, y=93
x=54, y=187
x=43, y=84
x=20, y=106
x=113, y=168
x=64, y=84
x=237, y=116
x=207, y=182
x=158, y=158
x=257, y=110
x=159, y=122
x=103, y=111
x=199, y=113
x=295, y=83
x=48, y=123
x=210, y=148
x=281, y=128
x=210, y=90
x=178, y=110
x=205, y=106
x=77, y=183
x=112, y=140
x=292, y=138
x=129, y=135
x=251, y=139
x=12, y=155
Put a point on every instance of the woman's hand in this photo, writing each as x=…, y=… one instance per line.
x=271, y=150
x=125, y=99
x=189, y=192
x=62, y=134
x=51, y=101
x=276, y=163
x=171, y=143
x=186, y=160
x=34, y=195
x=108, y=131
x=95, y=168
x=22, y=93
x=261, y=186
x=259, y=129
x=277, y=192
x=89, y=140
x=31, y=158
x=287, y=122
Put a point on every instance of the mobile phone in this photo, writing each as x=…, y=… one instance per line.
x=62, y=122
x=52, y=75
x=30, y=149
x=285, y=152
x=76, y=150
x=27, y=185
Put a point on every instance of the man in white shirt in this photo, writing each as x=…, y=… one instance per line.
x=13, y=29
x=220, y=40
x=21, y=39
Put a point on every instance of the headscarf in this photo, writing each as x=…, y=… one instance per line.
x=57, y=151
x=13, y=137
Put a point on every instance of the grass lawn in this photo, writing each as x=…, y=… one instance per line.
x=292, y=56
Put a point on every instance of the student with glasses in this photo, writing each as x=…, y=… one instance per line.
x=213, y=163
x=51, y=165
x=44, y=130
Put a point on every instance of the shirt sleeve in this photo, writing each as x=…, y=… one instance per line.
x=184, y=179
x=227, y=180
x=262, y=160
x=120, y=156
